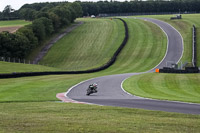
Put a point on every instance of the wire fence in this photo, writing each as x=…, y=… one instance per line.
x=17, y=60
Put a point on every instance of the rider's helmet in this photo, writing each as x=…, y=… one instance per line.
x=95, y=84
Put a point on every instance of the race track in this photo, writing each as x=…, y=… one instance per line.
x=111, y=93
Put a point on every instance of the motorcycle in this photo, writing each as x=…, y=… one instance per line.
x=91, y=89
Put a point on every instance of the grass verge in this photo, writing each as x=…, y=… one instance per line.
x=175, y=87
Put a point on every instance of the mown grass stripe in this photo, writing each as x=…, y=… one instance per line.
x=94, y=45
x=176, y=87
x=141, y=52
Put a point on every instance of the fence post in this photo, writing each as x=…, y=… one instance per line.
x=194, y=57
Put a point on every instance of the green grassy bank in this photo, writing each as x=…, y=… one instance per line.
x=88, y=46
x=145, y=48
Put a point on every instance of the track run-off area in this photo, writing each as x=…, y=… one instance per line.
x=111, y=92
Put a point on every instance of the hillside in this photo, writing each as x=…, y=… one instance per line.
x=89, y=46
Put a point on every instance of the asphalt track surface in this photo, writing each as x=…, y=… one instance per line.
x=111, y=93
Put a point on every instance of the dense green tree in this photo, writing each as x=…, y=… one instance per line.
x=7, y=11
x=78, y=9
x=55, y=20
x=42, y=28
x=63, y=13
x=48, y=25
x=39, y=29
x=46, y=17
x=13, y=45
x=28, y=32
x=28, y=14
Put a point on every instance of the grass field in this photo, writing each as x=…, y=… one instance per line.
x=88, y=46
x=176, y=87
x=12, y=23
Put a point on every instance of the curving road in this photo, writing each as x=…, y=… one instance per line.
x=111, y=93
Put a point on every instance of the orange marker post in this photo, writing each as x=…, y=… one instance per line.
x=157, y=70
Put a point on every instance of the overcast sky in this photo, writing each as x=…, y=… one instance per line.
x=16, y=4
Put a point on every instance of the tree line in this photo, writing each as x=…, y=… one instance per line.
x=9, y=13
x=138, y=6
x=46, y=20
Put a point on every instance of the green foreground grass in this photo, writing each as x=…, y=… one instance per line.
x=76, y=118
x=175, y=87
x=12, y=23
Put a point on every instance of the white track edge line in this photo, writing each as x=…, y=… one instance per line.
x=181, y=39
x=152, y=98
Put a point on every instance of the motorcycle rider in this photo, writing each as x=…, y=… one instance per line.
x=93, y=87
